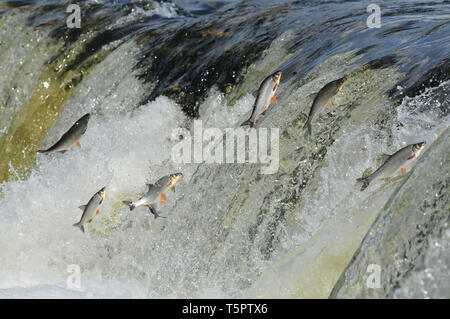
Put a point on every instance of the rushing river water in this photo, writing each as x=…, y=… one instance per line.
x=145, y=68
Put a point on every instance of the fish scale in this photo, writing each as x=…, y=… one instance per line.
x=70, y=137
x=322, y=99
x=264, y=97
x=156, y=194
x=91, y=209
x=395, y=163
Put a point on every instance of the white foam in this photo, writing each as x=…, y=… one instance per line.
x=123, y=153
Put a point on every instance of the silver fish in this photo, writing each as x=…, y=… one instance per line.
x=394, y=164
x=70, y=137
x=156, y=194
x=91, y=208
x=322, y=99
x=264, y=97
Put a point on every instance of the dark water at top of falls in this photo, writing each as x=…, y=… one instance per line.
x=197, y=44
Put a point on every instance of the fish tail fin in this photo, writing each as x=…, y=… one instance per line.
x=129, y=204
x=307, y=127
x=80, y=226
x=365, y=183
x=248, y=122
x=155, y=212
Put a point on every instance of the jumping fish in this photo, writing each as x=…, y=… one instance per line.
x=70, y=137
x=156, y=194
x=394, y=164
x=322, y=99
x=265, y=95
x=91, y=208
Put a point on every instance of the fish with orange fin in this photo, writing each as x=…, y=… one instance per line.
x=71, y=137
x=156, y=195
x=91, y=209
x=394, y=164
x=265, y=95
x=322, y=99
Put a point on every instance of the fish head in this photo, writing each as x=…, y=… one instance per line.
x=417, y=148
x=102, y=193
x=340, y=83
x=174, y=178
x=85, y=118
x=342, y=80
x=83, y=122
x=276, y=77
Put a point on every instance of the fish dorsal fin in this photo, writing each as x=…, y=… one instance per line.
x=82, y=207
x=383, y=158
x=312, y=96
x=366, y=173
